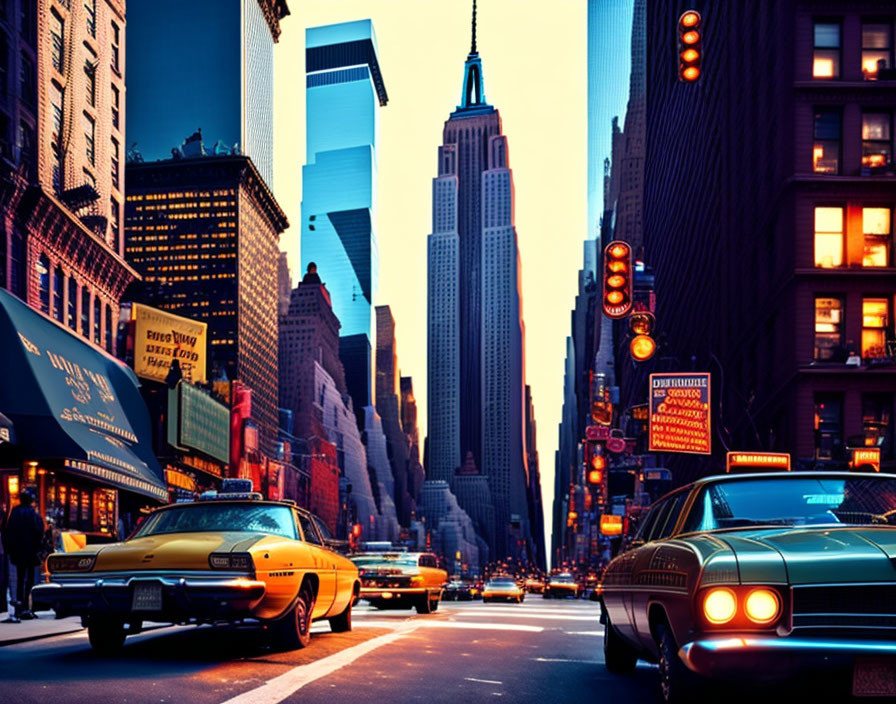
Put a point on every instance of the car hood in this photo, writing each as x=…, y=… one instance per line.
x=187, y=551
x=815, y=555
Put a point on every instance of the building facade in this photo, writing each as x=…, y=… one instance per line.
x=203, y=233
x=344, y=91
x=206, y=64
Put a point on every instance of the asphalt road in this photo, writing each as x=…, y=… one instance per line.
x=468, y=652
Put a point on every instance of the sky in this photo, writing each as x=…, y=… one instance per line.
x=534, y=67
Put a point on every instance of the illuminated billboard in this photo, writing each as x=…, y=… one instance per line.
x=160, y=337
x=680, y=413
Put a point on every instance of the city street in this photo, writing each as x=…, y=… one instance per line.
x=467, y=651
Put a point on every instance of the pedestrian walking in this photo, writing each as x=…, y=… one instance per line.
x=22, y=543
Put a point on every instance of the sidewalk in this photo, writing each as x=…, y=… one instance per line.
x=46, y=625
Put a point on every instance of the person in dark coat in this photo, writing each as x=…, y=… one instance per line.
x=22, y=541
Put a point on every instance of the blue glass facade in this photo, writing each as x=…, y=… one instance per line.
x=344, y=91
x=203, y=63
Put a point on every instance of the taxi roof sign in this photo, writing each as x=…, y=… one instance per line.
x=863, y=457
x=757, y=462
x=610, y=525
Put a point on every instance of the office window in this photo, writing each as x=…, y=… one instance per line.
x=829, y=330
x=828, y=237
x=876, y=49
x=114, y=225
x=826, y=147
x=115, y=164
x=109, y=340
x=90, y=74
x=71, y=315
x=875, y=317
x=26, y=79
x=56, y=110
x=85, y=312
x=57, y=293
x=116, y=106
x=89, y=138
x=57, y=28
x=877, y=422
x=97, y=313
x=826, y=58
x=828, y=426
x=877, y=149
x=43, y=282
x=116, y=47
x=876, y=229
x=90, y=15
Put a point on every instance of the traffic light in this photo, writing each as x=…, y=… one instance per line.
x=598, y=465
x=642, y=346
x=690, y=46
x=617, y=300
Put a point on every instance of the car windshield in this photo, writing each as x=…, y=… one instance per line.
x=213, y=517
x=386, y=560
x=502, y=583
x=794, y=501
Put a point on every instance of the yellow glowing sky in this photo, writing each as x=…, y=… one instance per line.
x=533, y=55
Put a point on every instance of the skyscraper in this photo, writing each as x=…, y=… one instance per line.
x=344, y=91
x=207, y=64
x=475, y=329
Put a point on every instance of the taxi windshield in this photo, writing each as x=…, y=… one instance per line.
x=563, y=578
x=794, y=501
x=386, y=560
x=220, y=517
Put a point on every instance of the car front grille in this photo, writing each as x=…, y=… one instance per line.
x=836, y=607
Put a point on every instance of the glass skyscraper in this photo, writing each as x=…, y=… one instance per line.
x=205, y=64
x=344, y=91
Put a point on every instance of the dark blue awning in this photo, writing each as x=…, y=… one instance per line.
x=73, y=403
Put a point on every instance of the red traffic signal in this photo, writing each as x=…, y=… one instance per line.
x=642, y=346
x=690, y=46
x=617, y=299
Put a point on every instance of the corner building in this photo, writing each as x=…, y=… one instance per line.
x=770, y=188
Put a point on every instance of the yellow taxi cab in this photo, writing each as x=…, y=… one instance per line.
x=502, y=588
x=230, y=556
x=401, y=580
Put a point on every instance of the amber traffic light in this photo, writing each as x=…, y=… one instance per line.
x=642, y=346
x=690, y=46
x=617, y=299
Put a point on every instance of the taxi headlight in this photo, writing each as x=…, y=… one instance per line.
x=719, y=605
x=762, y=606
x=71, y=563
x=241, y=561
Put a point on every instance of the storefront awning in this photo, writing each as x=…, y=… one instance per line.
x=70, y=402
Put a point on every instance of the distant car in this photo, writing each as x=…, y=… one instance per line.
x=232, y=558
x=502, y=589
x=401, y=580
x=458, y=590
x=534, y=585
x=760, y=576
x=561, y=585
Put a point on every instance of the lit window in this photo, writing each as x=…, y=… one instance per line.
x=877, y=149
x=828, y=237
x=828, y=329
x=877, y=412
x=876, y=228
x=874, y=327
x=826, y=58
x=876, y=49
x=826, y=147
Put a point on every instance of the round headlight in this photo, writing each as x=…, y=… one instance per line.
x=762, y=606
x=719, y=605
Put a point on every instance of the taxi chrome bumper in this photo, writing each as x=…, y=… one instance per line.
x=770, y=657
x=175, y=596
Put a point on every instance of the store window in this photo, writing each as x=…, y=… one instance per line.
x=43, y=280
x=877, y=148
x=877, y=425
x=875, y=318
x=877, y=49
x=826, y=147
x=828, y=237
x=829, y=330
x=828, y=426
x=876, y=223
x=826, y=58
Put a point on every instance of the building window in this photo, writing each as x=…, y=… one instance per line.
x=57, y=293
x=826, y=147
x=89, y=138
x=875, y=319
x=828, y=426
x=56, y=111
x=71, y=315
x=85, y=312
x=97, y=312
x=877, y=149
x=90, y=14
x=876, y=229
x=877, y=47
x=4, y=63
x=116, y=47
x=829, y=330
x=877, y=414
x=828, y=237
x=116, y=107
x=826, y=59
x=115, y=164
x=43, y=282
x=114, y=224
x=57, y=28
x=26, y=79
x=90, y=74
x=109, y=340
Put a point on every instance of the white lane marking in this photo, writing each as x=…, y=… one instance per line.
x=283, y=686
x=481, y=626
x=581, y=662
x=585, y=633
x=473, y=679
x=517, y=614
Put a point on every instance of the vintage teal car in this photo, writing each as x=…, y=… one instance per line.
x=760, y=577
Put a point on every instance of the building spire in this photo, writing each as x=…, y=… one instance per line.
x=473, y=45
